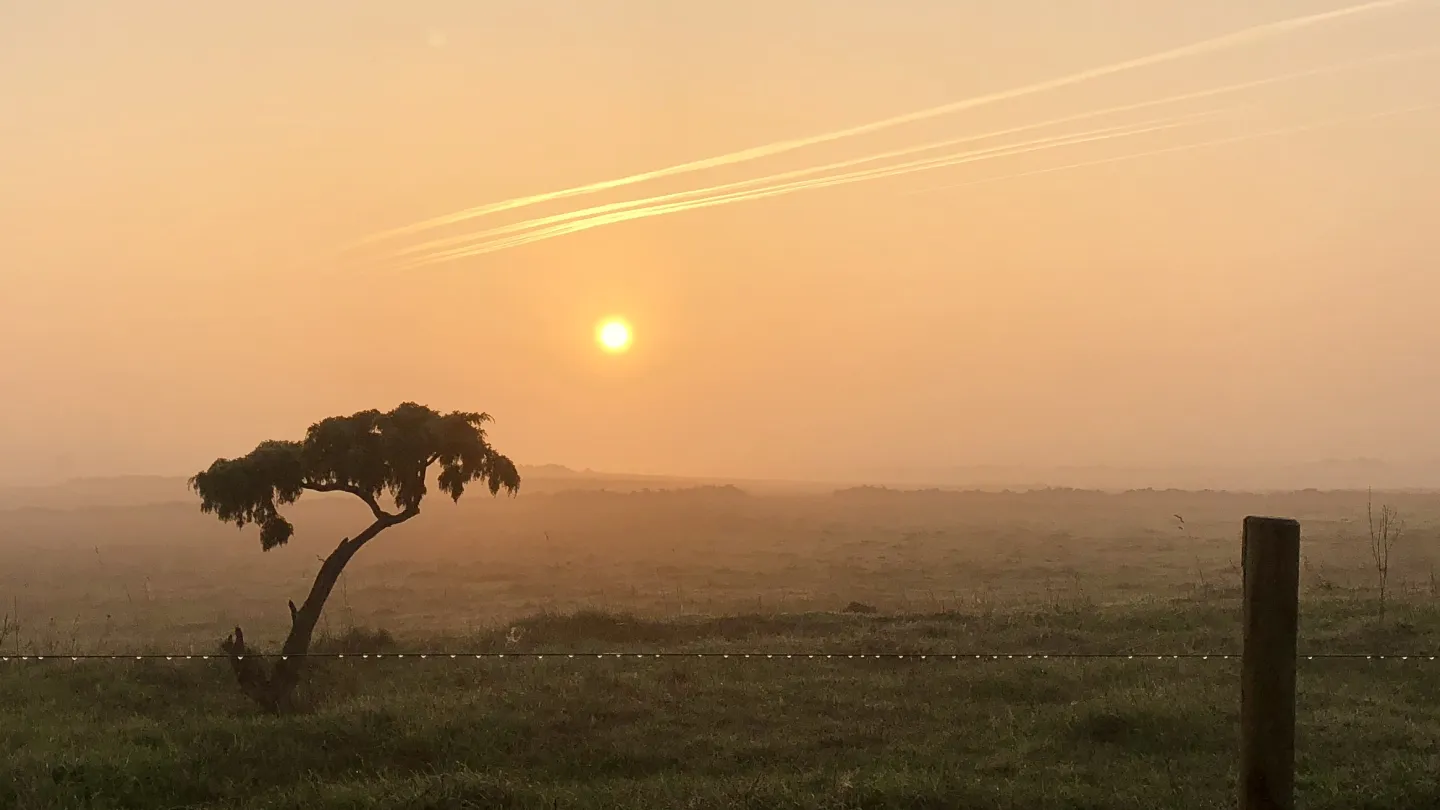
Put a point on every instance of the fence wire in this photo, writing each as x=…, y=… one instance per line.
x=444, y=656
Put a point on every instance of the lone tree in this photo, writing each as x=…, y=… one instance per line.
x=367, y=455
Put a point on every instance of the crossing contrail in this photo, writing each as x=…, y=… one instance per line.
x=660, y=210
x=1253, y=33
x=768, y=180
x=436, y=245
x=1301, y=128
x=587, y=223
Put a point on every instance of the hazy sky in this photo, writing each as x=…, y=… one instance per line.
x=176, y=177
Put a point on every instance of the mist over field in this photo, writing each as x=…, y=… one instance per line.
x=140, y=567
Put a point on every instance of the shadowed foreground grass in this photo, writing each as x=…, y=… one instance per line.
x=737, y=732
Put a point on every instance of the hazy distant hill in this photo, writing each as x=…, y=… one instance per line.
x=1330, y=474
x=1356, y=474
x=141, y=490
x=130, y=490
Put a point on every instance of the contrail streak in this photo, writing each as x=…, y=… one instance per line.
x=1188, y=147
x=472, y=238
x=586, y=213
x=762, y=193
x=1256, y=32
x=1107, y=133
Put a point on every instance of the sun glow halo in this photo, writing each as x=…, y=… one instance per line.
x=613, y=335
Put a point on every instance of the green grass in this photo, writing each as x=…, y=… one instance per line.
x=737, y=732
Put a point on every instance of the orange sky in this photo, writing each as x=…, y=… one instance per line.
x=175, y=179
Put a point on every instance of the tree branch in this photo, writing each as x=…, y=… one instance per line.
x=380, y=514
x=351, y=545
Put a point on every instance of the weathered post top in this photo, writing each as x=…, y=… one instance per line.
x=1267, y=530
x=1259, y=519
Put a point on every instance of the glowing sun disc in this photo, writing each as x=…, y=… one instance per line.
x=613, y=335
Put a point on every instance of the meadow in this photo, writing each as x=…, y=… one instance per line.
x=803, y=580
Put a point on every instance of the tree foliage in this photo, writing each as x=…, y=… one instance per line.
x=367, y=454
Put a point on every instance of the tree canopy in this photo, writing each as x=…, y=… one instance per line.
x=367, y=454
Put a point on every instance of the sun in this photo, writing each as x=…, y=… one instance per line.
x=613, y=335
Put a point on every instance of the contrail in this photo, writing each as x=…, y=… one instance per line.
x=1252, y=33
x=763, y=193
x=1107, y=133
x=471, y=238
x=586, y=213
x=1189, y=146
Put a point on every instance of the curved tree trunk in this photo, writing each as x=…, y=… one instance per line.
x=274, y=688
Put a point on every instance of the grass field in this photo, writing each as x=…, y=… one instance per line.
x=714, y=570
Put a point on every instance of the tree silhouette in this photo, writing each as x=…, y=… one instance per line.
x=368, y=454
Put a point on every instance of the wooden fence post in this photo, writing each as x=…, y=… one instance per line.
x=1270, y=552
